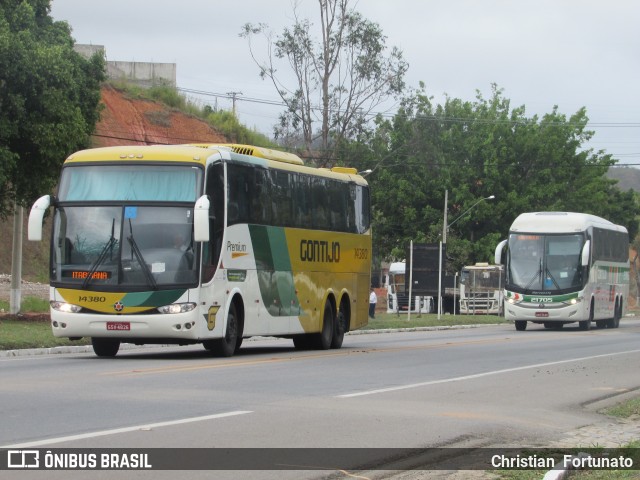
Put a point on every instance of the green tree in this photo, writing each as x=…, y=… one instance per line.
x=49, y=97
x=336, y=82
x=473, y=150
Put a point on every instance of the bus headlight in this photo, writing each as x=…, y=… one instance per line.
x=177, y=308
x=515, y=298
x=65, y=307
x=574, y=301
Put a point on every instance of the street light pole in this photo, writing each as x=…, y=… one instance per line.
x=443, y=240
x=445, y=228
x=444, y=224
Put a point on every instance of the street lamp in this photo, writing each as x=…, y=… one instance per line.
x=445, y=228
x=490, y=197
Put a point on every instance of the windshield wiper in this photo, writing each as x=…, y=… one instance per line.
x=136, y=251
x=103, y=254
x=552, y=278
x=536, y=276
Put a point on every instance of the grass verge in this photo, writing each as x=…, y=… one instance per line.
x=28, y=304
x=31, y=333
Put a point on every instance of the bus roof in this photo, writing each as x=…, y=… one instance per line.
x=199, y=153
x=560, y=222
x=158, y=153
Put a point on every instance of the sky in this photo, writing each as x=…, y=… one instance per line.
x=542, y=53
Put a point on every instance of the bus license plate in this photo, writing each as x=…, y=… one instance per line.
x=122, y=326
x=542, y=314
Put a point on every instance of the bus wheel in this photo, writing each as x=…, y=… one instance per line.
x=617, y=315
x=338, y=331
x=226, y=346
x=521, y=325
x=324, y=338
x=586, y=324
x=105, y=347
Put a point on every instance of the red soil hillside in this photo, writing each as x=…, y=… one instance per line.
x=129, y=121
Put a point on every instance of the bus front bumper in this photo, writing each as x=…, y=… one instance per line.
x=533, y=313
x=179, y=326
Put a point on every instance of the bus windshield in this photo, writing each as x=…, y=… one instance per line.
x=545, y=262
x=144, y=247
x=169, y=183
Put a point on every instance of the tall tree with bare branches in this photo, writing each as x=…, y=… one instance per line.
x=332, y=85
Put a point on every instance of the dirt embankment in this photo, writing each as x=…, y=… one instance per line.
x=129, y=121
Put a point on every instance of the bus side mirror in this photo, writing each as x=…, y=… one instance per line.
x=499, y=249
x=586, y=250
x=201, y=220
x=36, y=216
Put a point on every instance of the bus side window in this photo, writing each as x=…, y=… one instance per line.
x=260, y=212
x=282, y=198
x=211, y=249
x=363, y=214
x=321, y=214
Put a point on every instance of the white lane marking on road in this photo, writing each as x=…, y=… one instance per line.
x=116, y=431
x=479, y=375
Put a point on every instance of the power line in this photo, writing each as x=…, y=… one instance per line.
x=233, y=96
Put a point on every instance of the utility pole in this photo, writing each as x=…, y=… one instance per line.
x=233, y=96
x=16, y=262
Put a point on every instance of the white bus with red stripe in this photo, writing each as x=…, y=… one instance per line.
x=564, y=267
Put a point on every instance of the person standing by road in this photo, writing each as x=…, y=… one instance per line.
x=373, y=301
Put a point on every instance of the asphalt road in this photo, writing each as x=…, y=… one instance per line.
x=485, y=386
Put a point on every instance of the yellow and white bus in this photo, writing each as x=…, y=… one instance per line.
x=564, y=267
x=206, y=244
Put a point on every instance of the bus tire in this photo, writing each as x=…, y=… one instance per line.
x=617, y=315
x=611, y=322
x=105, y=347
x=338, y=330
x=521, y=325
x=586, y=324
x=325, y=337
x=226, y=346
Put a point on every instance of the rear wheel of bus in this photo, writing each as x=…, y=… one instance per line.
x=617, y=314
x=325, y=338
x=338, y=330
x=105, y=347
